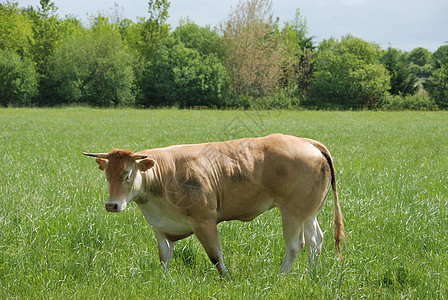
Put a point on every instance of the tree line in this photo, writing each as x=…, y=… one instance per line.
x=248, y=60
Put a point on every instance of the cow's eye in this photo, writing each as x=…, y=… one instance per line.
x=127, y=176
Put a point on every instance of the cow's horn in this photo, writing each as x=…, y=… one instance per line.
x=140, y=156
x=99, y=155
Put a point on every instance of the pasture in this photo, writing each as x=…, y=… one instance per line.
x=57, y=240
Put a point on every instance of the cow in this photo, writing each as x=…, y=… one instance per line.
x=189, y=189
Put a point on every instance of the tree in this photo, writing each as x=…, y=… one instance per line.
x=348, y=74
x=440, y=57
x=143, y=38
x=92, y=68
x=181, y=76
x=202, y=39
x=46, y=33
x=437, y=86
x=437, y=83
x=16, y=33
x=296, y=32
x=419, y=56
x=152, y=31
x=71, y=26
x=420, y=62
x=255, y=55
x=101, y=23
x=402, y=81
x=297, y=69
x=18, y=82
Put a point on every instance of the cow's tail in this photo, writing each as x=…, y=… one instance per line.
x=339, y=225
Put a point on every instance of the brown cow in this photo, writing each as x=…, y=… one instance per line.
x=189, y=189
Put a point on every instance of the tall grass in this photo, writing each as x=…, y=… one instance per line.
x=57, y=241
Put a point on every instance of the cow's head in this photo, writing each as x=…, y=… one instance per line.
x=122, y=168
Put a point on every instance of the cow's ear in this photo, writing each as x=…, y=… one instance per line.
x=102, y=163
x=145, y=164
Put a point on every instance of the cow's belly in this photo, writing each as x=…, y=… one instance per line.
x=157, y=218
x=245, y=206
x=170, y=226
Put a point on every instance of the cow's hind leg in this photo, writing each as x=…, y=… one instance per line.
x=294, y=240
x=313, y=238
x=166, y=248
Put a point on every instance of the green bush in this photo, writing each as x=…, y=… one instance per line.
x=410, y=102
x=92, y=68
x=202, y=39
x=182, y=76
x=402, y=80
x=18, y=80
x=16, y=33
x=437, y=86
x=348, y=74
x=440, y=57
x=283, y=99
x=421, y=72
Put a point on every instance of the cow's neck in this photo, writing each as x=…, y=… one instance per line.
x=147, y=185
x=138, y=189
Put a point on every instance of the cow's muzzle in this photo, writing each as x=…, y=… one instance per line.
x=112, y=207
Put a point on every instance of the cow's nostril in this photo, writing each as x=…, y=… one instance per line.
x=112, y=207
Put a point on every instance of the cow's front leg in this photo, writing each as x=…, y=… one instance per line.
x=207, y=234
x=166, y=248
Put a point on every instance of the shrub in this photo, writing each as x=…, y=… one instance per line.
x=402, y=80
x=16, y=33
x=18, y=80
x=421, y=72
x=202, y=39
x=182, y=76
x=437, y=86
x=348, y=74
x=92, y=68
x=440, y=57
x=419, y=56
x=410, y=102
x=283, y=99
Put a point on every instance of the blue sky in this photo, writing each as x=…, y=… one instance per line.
x=402, y=24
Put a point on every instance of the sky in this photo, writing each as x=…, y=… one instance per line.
x=401, y=24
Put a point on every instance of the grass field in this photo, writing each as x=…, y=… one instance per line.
x=57, y=241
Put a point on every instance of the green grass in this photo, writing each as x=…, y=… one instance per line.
x=57, y=241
